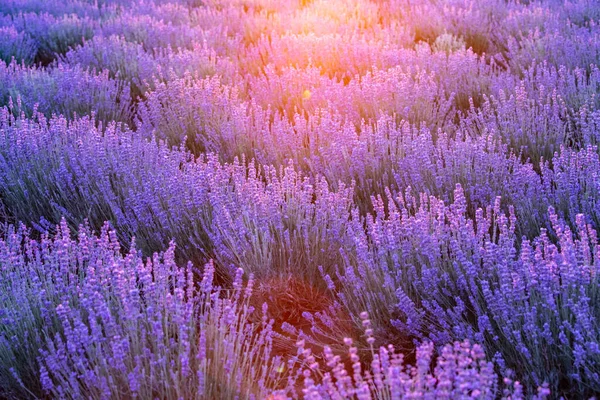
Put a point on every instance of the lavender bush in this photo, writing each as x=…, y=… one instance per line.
x=16, y=45
x=124, y=60
x=211, y=120
x=82, y=320
x=64, y=90
x=54, y=35
x=129, y=62
x=460, y=372
x=451, y=277
x=54, y=7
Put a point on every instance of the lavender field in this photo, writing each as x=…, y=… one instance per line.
x=299, y=199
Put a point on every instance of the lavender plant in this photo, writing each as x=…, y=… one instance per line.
x=211, y=119
x=64, y=90
x=442, y=276
x=150, y=32
x=54, y=36
x=536, y=115
x=103, y=324
x=16, y=45
x=82, y=320
x=124, y=60
x=460, y=371
x=53, y=7
x=129, y=62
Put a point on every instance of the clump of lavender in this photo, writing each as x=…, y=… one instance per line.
x=130, y=62
x=152, y=33
x=211, y=119
x=460, y=370
x=452, y=278
x=100, y=176
x=124, y=60
x=54, y=35
x=57, y=7
x=67, y=90
x=80, y=319
x=17, y=45
x=548, y=108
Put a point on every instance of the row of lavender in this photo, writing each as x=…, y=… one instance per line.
x=433, y=164
x=82, y=320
